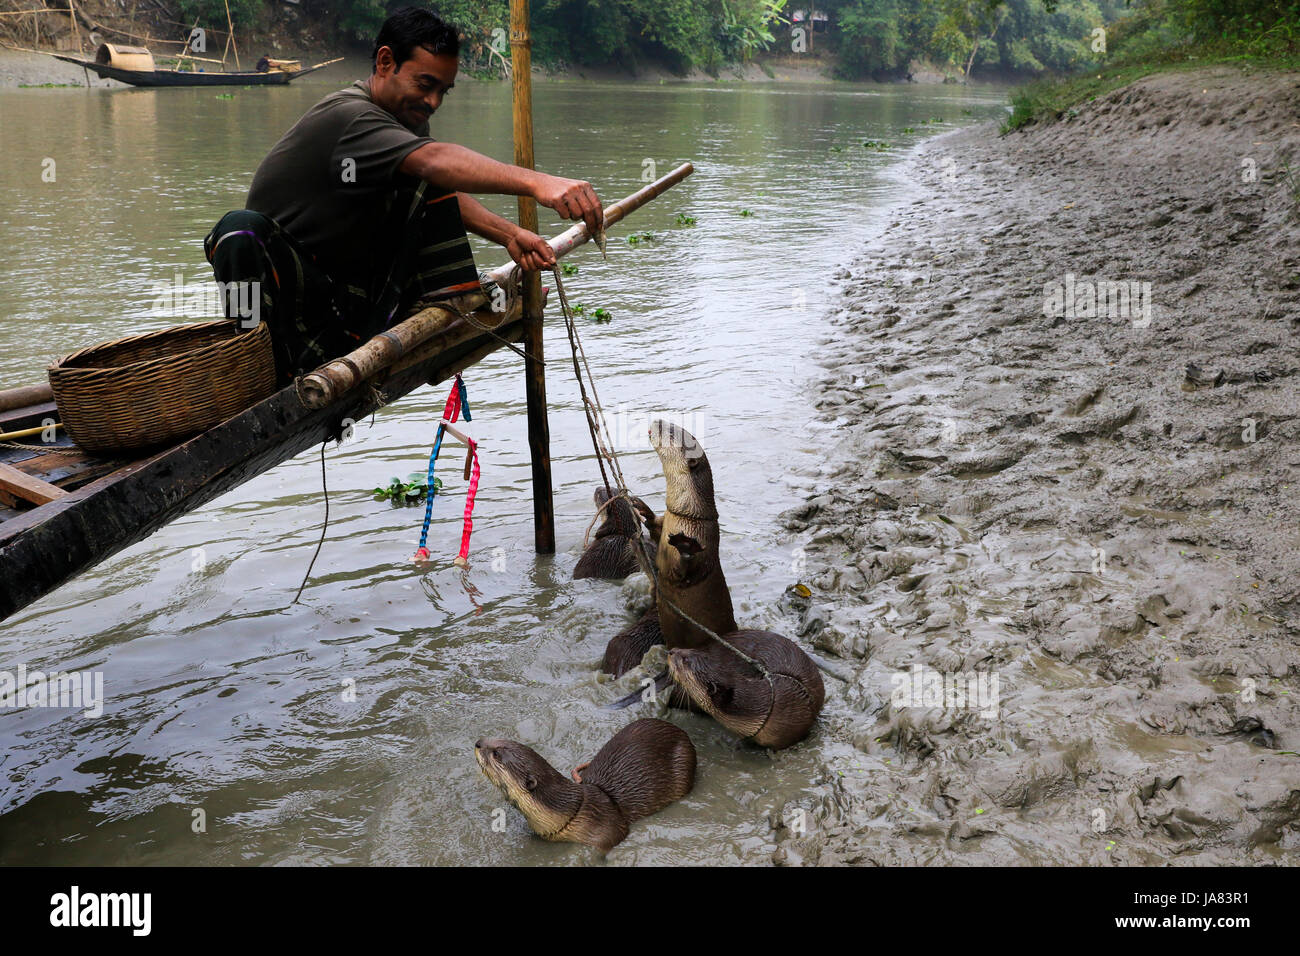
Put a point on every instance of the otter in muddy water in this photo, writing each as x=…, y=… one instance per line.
x=687, y=562
x=628, y=646
x=644, y=767
x=774, y=711
x=612, y=554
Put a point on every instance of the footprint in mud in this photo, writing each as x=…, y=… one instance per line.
x=987, y=464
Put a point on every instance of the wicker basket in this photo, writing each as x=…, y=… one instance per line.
x=151, y=390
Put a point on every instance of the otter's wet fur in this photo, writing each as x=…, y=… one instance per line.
x=775, y=713
x=687, y=562
x=647, y=765
x=611, y=555
x=628, y=646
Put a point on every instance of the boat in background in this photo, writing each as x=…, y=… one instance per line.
x=135, y=65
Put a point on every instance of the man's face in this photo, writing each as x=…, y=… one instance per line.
x=414, y=91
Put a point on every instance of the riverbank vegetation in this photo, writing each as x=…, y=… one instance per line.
x=1161, y=35
x=851, y=39
x=934, y=40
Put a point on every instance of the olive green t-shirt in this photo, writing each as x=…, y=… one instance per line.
x=328, y=181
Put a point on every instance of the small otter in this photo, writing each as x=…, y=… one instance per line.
x=773, y=714
x=687, y=563
x=644, y=767
x=612, y=554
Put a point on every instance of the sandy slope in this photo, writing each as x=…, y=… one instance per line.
x=988, y=453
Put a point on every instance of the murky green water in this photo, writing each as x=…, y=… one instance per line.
x=222, y=697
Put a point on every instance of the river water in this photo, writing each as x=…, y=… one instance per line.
x=240, y=728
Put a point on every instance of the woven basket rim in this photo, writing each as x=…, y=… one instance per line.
x=203, y=351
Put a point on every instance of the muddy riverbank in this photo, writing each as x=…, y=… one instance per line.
x=1085, y=492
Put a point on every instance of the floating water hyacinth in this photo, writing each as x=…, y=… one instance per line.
x=407, y=492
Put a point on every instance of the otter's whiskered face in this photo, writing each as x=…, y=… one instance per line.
x=522, y=775
x=686, y=471
x=711, y=685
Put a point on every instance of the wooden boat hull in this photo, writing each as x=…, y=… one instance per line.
x=44, y=546
x=157, y=78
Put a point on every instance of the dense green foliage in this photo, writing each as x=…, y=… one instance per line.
x=883, y=38
x=1162, y=35
x=212, y=13
x=1155, y=28
x=677, y=33
x=869, y=38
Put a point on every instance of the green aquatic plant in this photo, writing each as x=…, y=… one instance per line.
x=685, y=220
x=407, y=492
x=908, y=129
x=596, y=314
x=877, y=144
x=747, y=212
x=639, y=237
x=568, y=269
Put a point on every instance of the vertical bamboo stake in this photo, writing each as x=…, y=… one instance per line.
x=72, y=16
x=230, y=38
x=539, y=430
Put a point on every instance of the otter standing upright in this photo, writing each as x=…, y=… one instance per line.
x=687, y=563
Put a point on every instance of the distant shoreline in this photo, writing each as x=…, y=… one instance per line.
x=24, y=69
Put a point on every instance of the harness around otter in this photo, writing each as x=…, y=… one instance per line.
x=688, y=569
x=647, y=765
x=774, y=709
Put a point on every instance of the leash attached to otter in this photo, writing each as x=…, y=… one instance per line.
x=457, y=402
x=604, y=452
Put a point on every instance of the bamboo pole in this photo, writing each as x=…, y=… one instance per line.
x=25, y=395
x=438, y=327
x=72, y=15
x=28, y=432
x=539, y=430
x=231, y=36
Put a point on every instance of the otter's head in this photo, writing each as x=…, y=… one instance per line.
x=720, y=685
x=618, y=517
x=686, y=470
x=543, y=796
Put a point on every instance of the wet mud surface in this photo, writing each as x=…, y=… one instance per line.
x=1098, y=511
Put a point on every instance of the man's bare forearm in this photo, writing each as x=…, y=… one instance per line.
x=482, y=221
x=454, y=167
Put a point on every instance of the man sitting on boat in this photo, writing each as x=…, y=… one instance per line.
x=357, y=214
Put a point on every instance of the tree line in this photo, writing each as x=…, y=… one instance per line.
x=878, y=39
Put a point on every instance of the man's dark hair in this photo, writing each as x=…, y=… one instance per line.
x=411, y=27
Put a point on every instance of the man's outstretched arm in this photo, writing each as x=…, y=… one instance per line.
x=454, y=167
x=531, y=251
